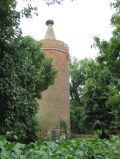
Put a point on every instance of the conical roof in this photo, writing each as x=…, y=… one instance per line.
x=50, y=42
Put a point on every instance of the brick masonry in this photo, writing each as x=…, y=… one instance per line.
x=54, y=104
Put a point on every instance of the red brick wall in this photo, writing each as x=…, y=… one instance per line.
x=54, y=104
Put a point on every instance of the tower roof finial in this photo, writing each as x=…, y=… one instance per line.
x=50, y=32
x=49, y=22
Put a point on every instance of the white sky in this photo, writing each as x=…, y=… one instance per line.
x=75, y=23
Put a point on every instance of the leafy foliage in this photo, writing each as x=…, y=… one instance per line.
x=63, y=129
x=74, y=149
x=95, y=84
x=51, y=2
x=77, y=117
x=25, y=73
x=94, y=97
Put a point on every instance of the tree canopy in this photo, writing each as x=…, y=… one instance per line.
x=95, y=84
x=25, y=73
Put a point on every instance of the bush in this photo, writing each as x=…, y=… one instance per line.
x=70, y=149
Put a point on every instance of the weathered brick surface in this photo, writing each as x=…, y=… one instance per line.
x=54, y=104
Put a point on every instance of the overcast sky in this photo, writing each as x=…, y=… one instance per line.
x=75, y=23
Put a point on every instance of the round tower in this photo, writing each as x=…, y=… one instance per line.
x=54, y=105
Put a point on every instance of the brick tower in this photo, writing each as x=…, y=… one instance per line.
x=54, y=105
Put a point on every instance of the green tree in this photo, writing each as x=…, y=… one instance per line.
x=98, y=113
x=109, y=56
x=25, y=73
x=94, y=97
x=80, y=71
x=100, y=93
